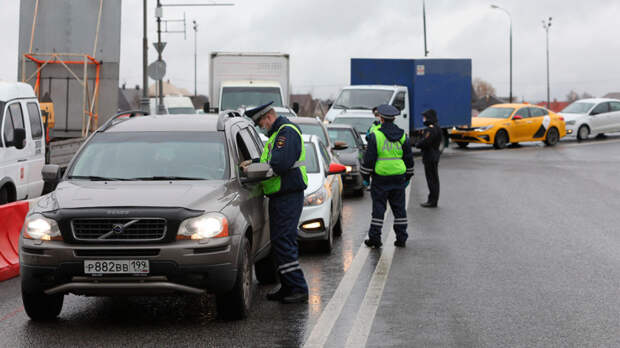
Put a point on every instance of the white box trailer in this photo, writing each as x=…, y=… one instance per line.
x=248, y=79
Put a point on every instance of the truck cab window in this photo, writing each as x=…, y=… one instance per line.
x=35, y=120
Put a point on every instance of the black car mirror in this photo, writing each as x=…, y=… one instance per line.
x=296, y=107
x=51, y=174
x=206, y=107
x=19, y=138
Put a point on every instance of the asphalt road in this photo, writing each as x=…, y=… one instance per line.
x=524, y=250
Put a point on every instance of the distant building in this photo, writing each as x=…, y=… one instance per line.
x=613, y=95
x=129, y=99
x=169, y=89
x=309, y=106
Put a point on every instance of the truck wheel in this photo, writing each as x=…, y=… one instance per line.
x=235, y=305
x=462, y=144
x=42, y=307
x=501, y=139
x=553, y=136
x=266, y=270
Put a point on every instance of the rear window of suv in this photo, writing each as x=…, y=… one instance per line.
x=153, y=156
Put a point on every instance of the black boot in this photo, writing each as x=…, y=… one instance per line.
x=400, y=243
x=428, y=205
x=373, y=243
x=295, y=297
x=278, y=295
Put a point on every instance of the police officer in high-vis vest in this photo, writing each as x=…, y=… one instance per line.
x=286, y=154
x=389, y=161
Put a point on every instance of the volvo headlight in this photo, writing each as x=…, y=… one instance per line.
x=316, y=198
x=39, y=227
x=571, y=122
x=210, y=225
x=485, y=128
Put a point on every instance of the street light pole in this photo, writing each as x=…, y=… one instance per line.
x=546, y=25
x=510, y=18
x=145, y=46
x=424, y=22
x=195, y=57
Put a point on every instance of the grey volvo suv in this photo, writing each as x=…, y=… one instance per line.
x=151, y=205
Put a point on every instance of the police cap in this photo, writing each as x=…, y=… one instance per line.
x=387, y=111
x=256, y=113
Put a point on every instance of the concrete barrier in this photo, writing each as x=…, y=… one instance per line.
x=11, y=220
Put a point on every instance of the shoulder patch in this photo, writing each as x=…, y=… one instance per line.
x=280, y=141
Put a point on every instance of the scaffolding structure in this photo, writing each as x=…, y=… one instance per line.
x=90, y=101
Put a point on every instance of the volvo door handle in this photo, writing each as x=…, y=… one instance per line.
x=22, y=160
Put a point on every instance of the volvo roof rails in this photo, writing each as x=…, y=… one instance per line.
x=129, y=113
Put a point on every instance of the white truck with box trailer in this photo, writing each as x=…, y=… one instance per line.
x=240, y=80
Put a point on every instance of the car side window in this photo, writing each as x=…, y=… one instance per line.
x=523, y=112
x=399, y=101
x=35, y=120
x=257, y=140
x=8, y=129
x=600, y=109
x=614, y=106
x=537, y=112
x=249, y=143
x=14, y=119
x=15, y=110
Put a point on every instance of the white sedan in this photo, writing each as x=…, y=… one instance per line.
x=592, y=116
x=321, y=216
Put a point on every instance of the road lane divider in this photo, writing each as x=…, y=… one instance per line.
x=12, y=217
x=324, y=325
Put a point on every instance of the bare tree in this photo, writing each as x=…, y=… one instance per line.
x=483, y=88
x=572, y=96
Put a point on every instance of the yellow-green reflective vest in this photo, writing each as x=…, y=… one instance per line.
x=389, y=155
x=374, y=128
x=273, y=184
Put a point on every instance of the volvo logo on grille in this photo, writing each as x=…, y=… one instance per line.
x=118, y=229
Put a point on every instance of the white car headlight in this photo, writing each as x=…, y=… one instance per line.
x=483, y=129
x=209, y=225
x=39, y=227
x=571, y=122
x=316, y=198
x=348, y=169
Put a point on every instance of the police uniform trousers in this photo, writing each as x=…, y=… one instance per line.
x=431, y=171
x=284, y=213
x=395, y=194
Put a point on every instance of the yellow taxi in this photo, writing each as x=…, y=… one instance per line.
x=501, y=124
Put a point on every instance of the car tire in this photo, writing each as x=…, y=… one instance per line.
x=462, y=144
x=4, y=195
x=583, y=132
x=235, y=305
x=501, y=139
x=553, y=136
x=327, y=245
x=42, y=307
x=338, y=226
x=266, y=270
x=601, y=136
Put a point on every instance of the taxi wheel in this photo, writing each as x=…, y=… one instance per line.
x=583, y=133
x=462, y=144
x=501, y=139
x=235, y=304
x=553, y=136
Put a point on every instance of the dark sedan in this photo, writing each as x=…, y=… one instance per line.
x=350, y=157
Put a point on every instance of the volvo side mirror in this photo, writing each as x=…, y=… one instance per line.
x=256, y=172
x=51, y=174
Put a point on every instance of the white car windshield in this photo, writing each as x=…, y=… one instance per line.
x=578, y=108
x=362, y=98
x=153, y=156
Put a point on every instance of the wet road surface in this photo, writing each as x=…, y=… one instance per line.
x=524, y=250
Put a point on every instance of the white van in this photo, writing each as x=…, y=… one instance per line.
x=173, y=105
x=22, y=143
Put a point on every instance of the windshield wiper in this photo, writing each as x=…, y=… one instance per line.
x=156, y=178
x=340, y=106
x=360, y=107
x=94, y=178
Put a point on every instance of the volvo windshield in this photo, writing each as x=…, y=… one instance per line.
x=153, y=156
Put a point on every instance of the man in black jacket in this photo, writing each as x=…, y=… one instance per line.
x=429, y=144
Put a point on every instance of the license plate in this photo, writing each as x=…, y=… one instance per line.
x=116, y=266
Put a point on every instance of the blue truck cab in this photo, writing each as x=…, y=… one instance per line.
x=412, y=86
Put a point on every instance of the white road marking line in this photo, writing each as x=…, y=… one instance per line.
x=329, y=316
x=367, y=311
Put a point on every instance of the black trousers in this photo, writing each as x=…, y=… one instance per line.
x=431, y=170
x=394, y=194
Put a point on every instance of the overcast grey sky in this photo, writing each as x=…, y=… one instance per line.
x=322, y=35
